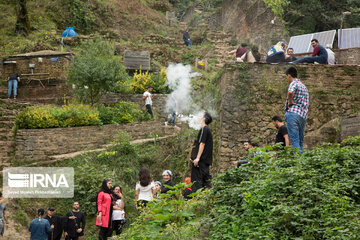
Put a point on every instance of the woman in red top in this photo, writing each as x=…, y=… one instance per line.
x=104, y=206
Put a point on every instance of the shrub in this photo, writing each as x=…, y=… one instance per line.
x=143, y=80
x=95, y=70
x=122, y=112
x=53, y=116
x=288, y=195
x=36, y=117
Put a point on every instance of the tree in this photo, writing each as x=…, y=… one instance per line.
x=22, y=22
x=95, y=70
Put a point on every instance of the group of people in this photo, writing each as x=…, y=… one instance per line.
x=51, y=227
x=110, y=200
x=295, y=113
x=320, y=55
x=279, y=53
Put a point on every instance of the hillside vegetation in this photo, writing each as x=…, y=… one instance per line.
x=278, y=195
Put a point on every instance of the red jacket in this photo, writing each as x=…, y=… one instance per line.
x=104, y=201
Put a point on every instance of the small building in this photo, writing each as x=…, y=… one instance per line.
x=137, y=60
x=44, y=70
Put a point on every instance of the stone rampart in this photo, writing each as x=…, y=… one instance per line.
x=39, y=144
x=253, y=93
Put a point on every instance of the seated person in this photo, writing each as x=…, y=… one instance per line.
x=276, y=53
x=319, y=54
x=331, y=55
x=249, y=147
x=290, y=55
x=242, y=54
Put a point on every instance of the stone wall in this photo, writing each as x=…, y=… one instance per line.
x=39, y=144
x=349, y=56
x=250, y=21
x=30, y=90
x=253, y=93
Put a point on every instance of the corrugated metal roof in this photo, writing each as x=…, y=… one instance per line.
x=350, y=38
x=302, y=43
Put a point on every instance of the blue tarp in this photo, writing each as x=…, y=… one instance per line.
x=69, y=32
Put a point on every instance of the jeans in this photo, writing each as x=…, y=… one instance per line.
x=12, y=84
x=172, y=118
x=148, y=108
x=321, y=60
x=296, y=129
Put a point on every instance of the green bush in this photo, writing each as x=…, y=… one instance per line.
x=144, y=79
x=52, y=116
x=36, y=117
x=122, y=112
x=289, y=195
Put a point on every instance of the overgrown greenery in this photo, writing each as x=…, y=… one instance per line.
x=144, y=79
x=95, y=70
x=315, y=16
x=71, y=115
x=279, y=195
x=120, y=162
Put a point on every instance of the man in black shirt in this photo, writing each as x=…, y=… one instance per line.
x=74, y=223
x=282, y=134
x=200, y=171
x=55, y=224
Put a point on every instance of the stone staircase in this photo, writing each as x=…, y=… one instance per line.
x=221, y=40
x=8, y=110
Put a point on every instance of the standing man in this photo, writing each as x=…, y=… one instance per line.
x=290, y=55
x=39, y=227
x=147, y=98
x=296, y=108
x=200, y=171
x=3, y=217
x=282, y=134
x=319, y=54
x=55, y=224
x=74, y=223
x=13, y=81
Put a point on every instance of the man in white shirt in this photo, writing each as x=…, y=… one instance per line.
x=147, y=98
x=331, y=55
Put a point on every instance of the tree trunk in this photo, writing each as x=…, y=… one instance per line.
x=22, y=23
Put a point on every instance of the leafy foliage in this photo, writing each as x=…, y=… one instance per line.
x=315, y=16
x=289, y=195
x=95, y=70
x=168, y=217
x=144, y=79
x=72, y=115
x=277, y=6
x=51, y=116
x=122, y=112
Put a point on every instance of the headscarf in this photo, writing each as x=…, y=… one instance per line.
x=277, y=48
x=168, y=172
x=158, y=182
x=113, y=191
x=104, y=187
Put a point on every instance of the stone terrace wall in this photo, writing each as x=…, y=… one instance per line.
x=39, y=144
x=253, y=93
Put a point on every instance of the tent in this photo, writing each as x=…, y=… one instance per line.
x=69, y=32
